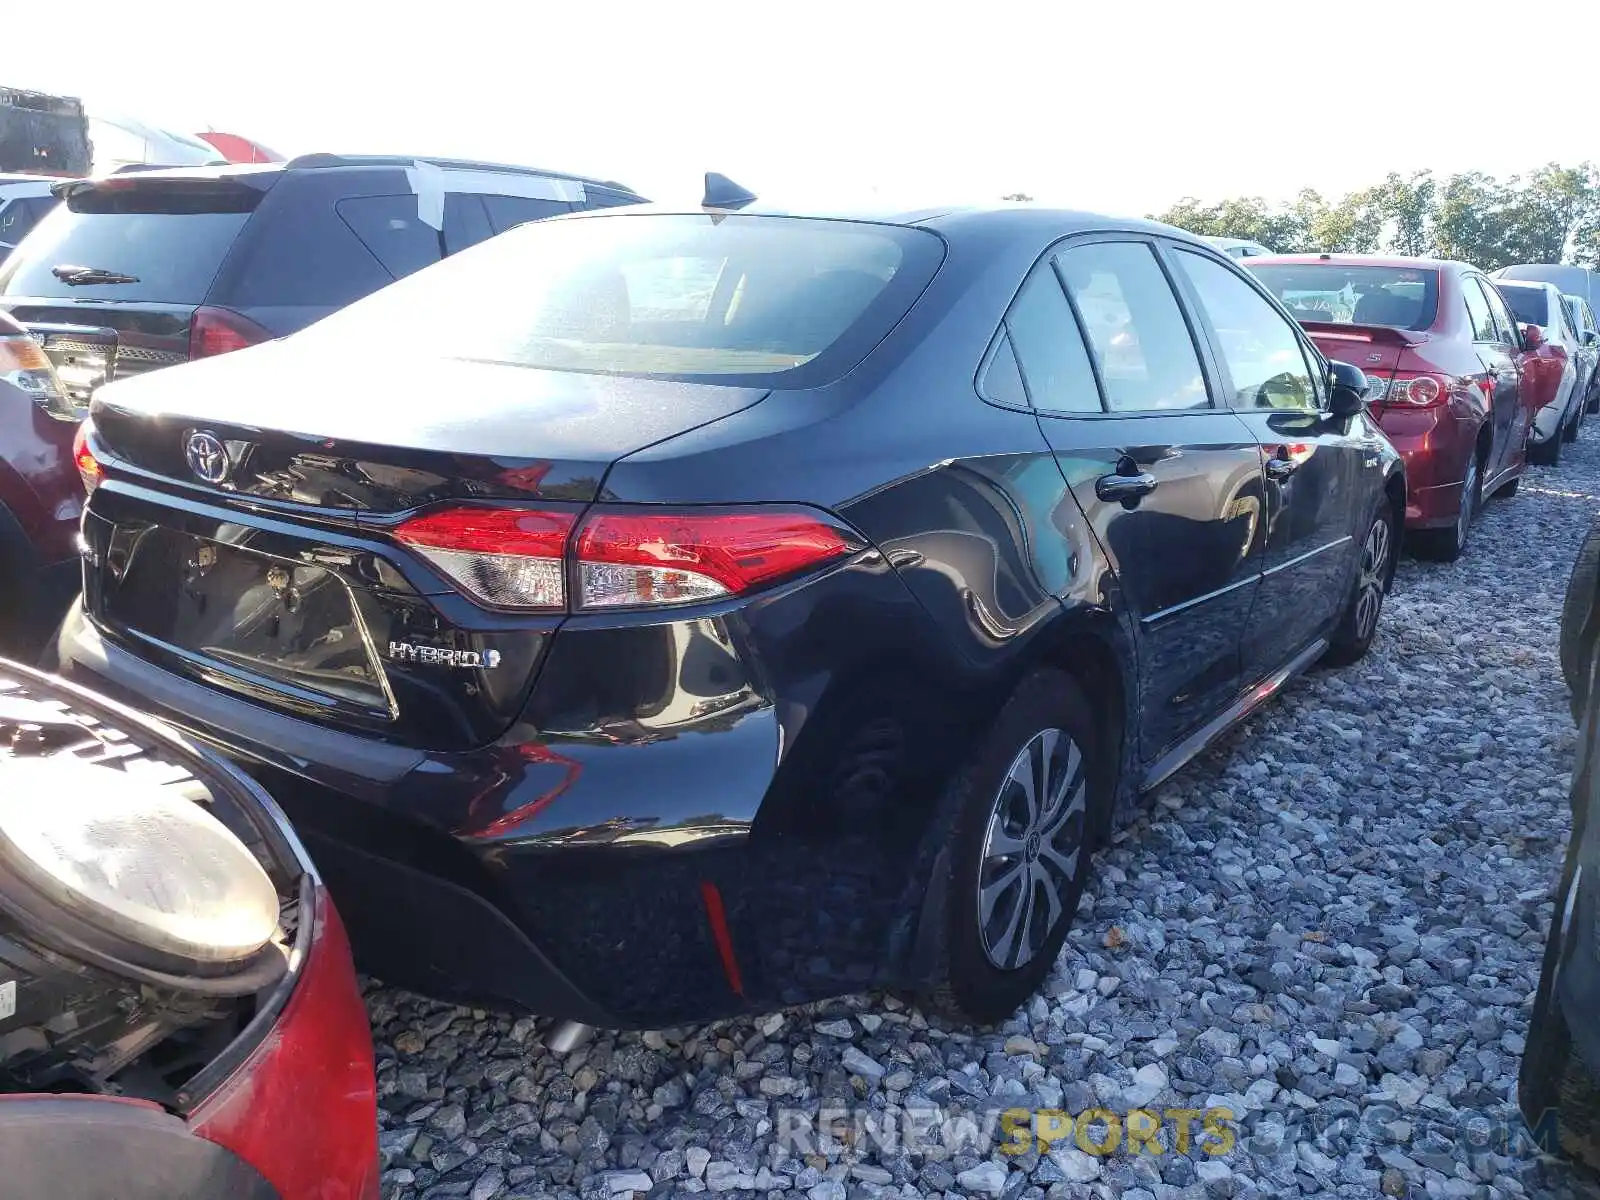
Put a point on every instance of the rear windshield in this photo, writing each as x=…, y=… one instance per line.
x=724, y=298
x=170, y=239
x=1405, y=297
x=1530, y=305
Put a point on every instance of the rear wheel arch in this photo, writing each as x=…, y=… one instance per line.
x=1089, y=652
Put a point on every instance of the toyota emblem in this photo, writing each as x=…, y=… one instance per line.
x=208, y=457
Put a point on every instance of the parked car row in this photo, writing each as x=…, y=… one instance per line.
x=1471, y=378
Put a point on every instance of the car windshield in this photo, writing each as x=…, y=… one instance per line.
x=1335, y=293
x=722, y=298
x=1530, y=305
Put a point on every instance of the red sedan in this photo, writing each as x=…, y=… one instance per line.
x=178, y=1011
x=40, y=492
x=1444, y=358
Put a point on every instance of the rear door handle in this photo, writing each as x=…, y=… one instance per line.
x=1127, y=490
x=1281, y=468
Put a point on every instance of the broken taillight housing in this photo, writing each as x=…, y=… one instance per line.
x=26, y=367
x=619, y=557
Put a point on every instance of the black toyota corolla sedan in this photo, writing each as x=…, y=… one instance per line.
x=658, y=614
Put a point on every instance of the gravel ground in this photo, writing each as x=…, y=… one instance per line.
x=1330, y=925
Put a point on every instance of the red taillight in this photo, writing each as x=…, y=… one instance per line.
x=1417, y=389
x=505, y=557
x=623, y=558
x=215, y=331
x=642, y=558
x=89, y=469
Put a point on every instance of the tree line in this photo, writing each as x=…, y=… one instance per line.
x=1548, y=215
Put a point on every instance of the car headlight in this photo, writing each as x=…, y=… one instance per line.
x=134, y=859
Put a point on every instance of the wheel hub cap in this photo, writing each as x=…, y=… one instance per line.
x=1032, y=849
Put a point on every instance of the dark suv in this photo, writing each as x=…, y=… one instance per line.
x=142, y=270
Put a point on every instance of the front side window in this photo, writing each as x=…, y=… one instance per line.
x=719, y=298
x=1135, y=327
x=1502, y=315
x=1261, y=349
x=1050, y=350
x=1480, y=317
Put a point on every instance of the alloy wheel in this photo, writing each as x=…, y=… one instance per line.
x=1033, y=849
x=1374, y=571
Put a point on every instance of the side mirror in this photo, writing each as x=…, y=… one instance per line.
x=1532, y=337
x=1590, y=337
x=1349, y=390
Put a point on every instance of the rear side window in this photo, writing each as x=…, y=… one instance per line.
x=168, y=239
x=388, y=226
x=1002, y=381
x=725, y=298
x=1142, y=343
x=1050, y=350
x=1529, y=305
x=508, y=211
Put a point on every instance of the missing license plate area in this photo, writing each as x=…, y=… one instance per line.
x=277, y=620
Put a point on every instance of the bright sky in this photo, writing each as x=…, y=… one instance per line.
x=1123, y=106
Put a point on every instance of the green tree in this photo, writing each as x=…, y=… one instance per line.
x=1406, y=209
x=1473, y=221
x=1548, y=210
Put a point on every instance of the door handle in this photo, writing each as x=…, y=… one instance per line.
x=1127, y=490
x=1281, y=468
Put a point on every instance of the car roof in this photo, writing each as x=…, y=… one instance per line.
x=355, y=161
x=1362, y=260
x=1005, y=216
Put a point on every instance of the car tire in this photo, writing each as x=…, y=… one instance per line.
x=1571, y=432
x=1352, y=637
x=1593, y=404
x=1012, y=862
x=1446, y=545
x=1546, y=454
x=1553, y=1075
x=1576, y=641
x=1507, y=490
